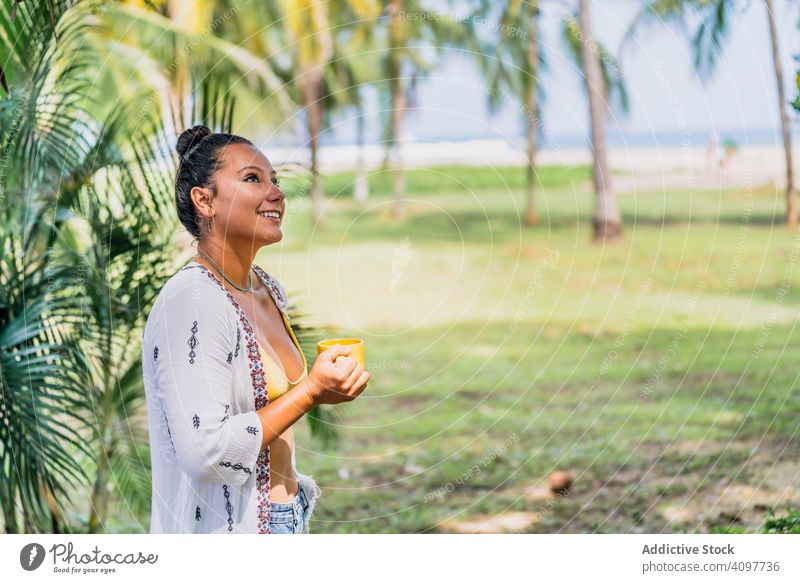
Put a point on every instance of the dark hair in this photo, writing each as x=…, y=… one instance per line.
x=198, y=154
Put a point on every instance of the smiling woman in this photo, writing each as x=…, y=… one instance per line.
x=218, y=350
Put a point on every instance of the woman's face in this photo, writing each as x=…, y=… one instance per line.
x=247, y=194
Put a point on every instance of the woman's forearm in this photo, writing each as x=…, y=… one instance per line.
x=282, y=413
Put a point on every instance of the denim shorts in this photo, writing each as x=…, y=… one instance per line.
x=289, y=517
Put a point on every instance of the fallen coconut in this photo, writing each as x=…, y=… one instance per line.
x=560, y=482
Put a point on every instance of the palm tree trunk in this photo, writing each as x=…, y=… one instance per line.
x=310, y=87
x=398, y=164
x=791, y=192
x=99, y=492
x=398, y=106
x=533, y=113
x=361, y=184
x=606, y=219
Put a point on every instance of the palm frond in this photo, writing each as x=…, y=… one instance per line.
x=173, y=47
x=613, y=78
x=43, y=379
x=710, y=36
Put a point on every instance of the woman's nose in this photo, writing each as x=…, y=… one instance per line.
x=275, y=193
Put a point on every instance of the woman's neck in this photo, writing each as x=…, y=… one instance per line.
x=233, y=263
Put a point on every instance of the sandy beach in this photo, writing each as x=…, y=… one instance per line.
x=634, y=168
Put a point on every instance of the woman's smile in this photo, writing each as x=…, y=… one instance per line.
x=270, y=215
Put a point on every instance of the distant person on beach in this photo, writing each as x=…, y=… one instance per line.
x=713, y=161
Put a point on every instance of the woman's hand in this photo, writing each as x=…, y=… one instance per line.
x=335, y=377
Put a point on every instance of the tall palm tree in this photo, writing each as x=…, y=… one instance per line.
x=397, y=44
x=307, y=26
x=529, y=21
x=361, y=179
x=355, y=66
x=410, y=24
x=606, y=219
x=602, y=78
x=308, y=32
x=791, y=189
x=512, y=63
x=707, y=39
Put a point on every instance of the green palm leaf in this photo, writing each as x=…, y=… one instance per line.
x=43, y=379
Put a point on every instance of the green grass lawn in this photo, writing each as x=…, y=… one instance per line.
x=661, y=371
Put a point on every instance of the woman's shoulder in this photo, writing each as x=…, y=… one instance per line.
x=189, y=282
x=191, y=288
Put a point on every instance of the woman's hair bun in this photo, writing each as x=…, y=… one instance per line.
x=190, y=138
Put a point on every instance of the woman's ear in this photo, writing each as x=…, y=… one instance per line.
x=201, y=196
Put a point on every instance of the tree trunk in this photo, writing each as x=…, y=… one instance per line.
x=99, y=492
x=361, y=184
x=310, y=87
x=791, y=192
x=398, y=164
x=398, y=106
x=533, y=114
x=606, y=219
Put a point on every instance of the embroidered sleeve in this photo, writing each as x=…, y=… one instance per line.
x=194, y=382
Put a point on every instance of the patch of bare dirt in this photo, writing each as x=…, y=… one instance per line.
x=491, y=524
x=772, y=482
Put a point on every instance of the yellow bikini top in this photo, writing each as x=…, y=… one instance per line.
x=277, y=382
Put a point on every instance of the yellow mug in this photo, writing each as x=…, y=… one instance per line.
x=356, y=347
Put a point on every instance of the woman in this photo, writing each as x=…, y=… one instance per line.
x=219, y=353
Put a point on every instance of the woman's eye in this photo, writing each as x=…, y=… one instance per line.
x=249, y=176
x=276, y=181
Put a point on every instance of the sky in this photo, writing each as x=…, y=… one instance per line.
x=667, y=98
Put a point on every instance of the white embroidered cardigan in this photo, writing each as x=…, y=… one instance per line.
x=204, y=380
